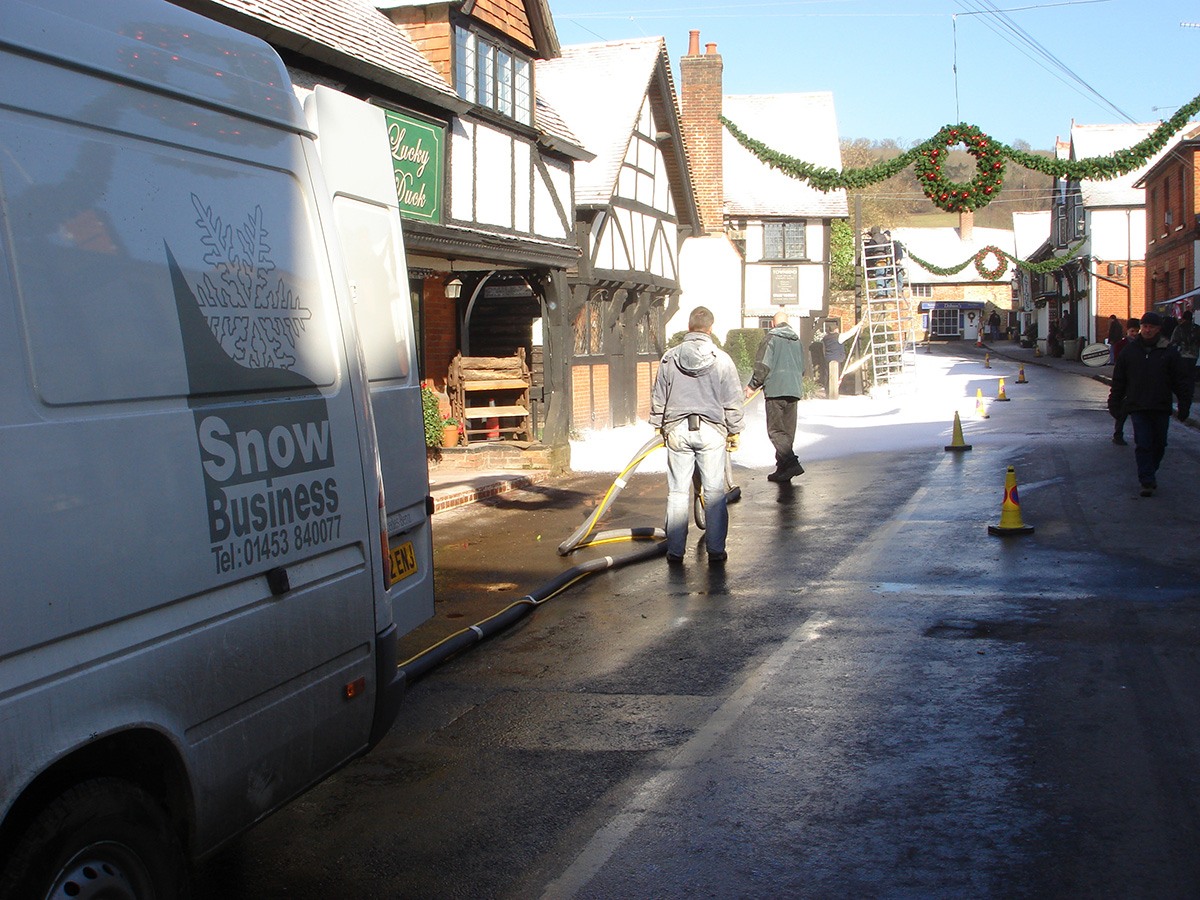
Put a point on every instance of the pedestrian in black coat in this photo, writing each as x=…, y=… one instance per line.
x=1148, y=374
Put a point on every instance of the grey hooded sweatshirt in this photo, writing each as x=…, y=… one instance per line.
x=697, y=377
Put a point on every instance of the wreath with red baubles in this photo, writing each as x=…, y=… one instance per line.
x=953, y=196
x=991, y=274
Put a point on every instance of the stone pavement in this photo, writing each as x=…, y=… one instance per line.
x=1029, y=357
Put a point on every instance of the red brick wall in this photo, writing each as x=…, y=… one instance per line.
x=700, y=78
x=589, y=392
x=1170, y=247
x=1114, y=299
x=441, y=331
x=645, y=384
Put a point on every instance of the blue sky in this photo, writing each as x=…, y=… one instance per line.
x=890, y=65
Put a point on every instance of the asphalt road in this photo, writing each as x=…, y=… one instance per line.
x=875, y=698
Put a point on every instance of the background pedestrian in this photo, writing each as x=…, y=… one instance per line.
x=1131, y=332
x=1148, y=372
x=779, y=371
x=835, y=356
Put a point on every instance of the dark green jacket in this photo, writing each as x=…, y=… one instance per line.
x=779, y=369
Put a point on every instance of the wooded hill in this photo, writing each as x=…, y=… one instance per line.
x=899, y=201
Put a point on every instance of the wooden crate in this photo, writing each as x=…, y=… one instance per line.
x=484, y=388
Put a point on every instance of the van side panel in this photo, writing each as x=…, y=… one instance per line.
x=183, y=446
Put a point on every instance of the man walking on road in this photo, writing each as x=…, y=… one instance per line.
x=697, y=404
x=1147, y=373
x=779, y=371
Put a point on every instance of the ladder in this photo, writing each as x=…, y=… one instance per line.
x=891, y=342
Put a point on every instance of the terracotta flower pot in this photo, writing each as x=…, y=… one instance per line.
x=449, y=436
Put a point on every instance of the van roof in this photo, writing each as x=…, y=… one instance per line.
x=158, y=45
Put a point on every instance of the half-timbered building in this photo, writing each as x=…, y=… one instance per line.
x=634, y=206
x=483, y=167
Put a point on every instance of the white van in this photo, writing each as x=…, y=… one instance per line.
x=354, y=146
x=198, y=575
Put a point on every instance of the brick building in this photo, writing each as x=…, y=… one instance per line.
x=955, y=306
x=1173, y=227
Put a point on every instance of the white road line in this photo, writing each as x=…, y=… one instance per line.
x=609, y=838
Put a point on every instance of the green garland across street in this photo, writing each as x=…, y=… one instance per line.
x=989, y=154
x=1002, y=258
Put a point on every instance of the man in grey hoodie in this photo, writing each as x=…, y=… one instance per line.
x=697, y=404
x=779, y=371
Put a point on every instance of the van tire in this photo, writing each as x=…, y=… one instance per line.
x=105, y=837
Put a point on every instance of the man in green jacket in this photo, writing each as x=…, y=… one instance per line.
x=779, y=371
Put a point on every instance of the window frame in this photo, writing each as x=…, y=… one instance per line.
x=587, y=327
x=492, y=73
x=784, y=228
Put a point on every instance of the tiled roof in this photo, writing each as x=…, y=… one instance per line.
x=599, y=89
x=800, y=125
x=350, y=34
x=551, y=124
x=541, y=22
x=944, y=248
x=355, y=36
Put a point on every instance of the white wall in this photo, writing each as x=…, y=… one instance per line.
x=810, y=273
x=1117, y=234
x=710, y=275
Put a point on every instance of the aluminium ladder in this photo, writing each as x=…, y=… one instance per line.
x=891, y=343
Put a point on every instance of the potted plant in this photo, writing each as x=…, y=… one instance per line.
x=432, y=416
x=450, y=433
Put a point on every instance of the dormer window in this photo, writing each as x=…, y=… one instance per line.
x=492, y=75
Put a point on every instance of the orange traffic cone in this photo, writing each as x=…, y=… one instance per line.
x=1010, y=510
x=987, y=360
x=980, y=409
x=1021, y=376
x=957, y=444
x=1000, y=395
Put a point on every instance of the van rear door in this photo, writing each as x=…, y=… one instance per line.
x=352, y=140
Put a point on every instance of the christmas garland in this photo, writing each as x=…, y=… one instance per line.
x=995, y=274
x=989, y=155
x=953, y=196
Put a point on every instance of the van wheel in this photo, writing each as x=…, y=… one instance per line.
x=101, y=839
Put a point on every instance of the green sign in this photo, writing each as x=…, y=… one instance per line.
x=417, y=161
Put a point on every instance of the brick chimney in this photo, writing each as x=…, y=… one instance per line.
x=966, y=225
x=700, y=81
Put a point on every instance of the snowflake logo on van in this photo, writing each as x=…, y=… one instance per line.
x=254, y=315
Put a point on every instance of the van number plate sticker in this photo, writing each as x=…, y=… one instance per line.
x=404, y=561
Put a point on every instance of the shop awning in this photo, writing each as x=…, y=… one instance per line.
x=1194, y=292
x=952, y=304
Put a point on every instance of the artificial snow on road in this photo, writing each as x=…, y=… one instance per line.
x=918, y=414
